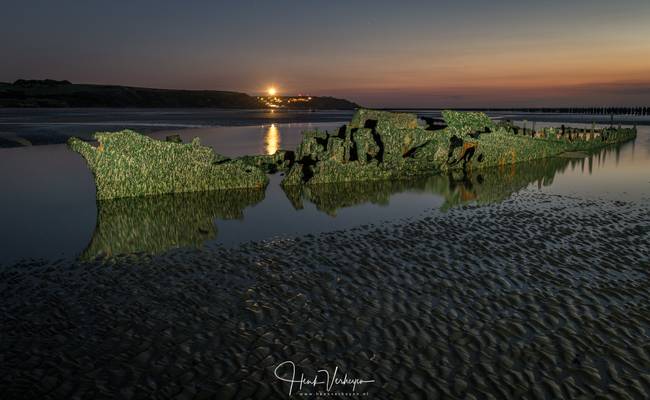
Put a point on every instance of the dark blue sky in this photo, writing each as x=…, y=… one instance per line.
x=410, y=53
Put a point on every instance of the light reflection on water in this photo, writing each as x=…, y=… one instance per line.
x=272, y=139
x=48, y=207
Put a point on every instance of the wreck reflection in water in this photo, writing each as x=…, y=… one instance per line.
x=153, y=224
x=158, y=223
x=483, y=186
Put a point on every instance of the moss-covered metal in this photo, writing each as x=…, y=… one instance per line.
x=128, y=164
x=379, y=145
x=279, y=161
x=463, y=123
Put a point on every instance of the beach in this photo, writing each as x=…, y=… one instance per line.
x=342, y=200
x=539, y=296
x=522, y=282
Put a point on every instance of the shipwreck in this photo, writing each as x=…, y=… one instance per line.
x=379, y=145
x=128, y=164
x=375, y=145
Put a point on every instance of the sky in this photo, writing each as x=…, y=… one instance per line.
x=462, y=53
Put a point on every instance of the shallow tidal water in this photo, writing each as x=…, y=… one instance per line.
x=524, y=282
x=49, y=210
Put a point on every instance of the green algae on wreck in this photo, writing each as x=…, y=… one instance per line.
x=374, y=146
x=128, y=164
x=379, y=145
x=281, y=160
x=464, y=123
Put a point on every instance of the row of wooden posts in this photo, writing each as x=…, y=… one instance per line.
x=581, y=110
x=564, y=131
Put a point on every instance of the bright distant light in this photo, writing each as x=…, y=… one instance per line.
x=271, y=91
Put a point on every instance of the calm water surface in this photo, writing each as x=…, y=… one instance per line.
x=48, y=208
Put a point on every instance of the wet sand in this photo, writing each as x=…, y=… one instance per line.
x=540, y=296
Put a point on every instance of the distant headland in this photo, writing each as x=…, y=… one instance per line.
x=55, y=93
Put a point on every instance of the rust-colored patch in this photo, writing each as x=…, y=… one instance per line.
x=100, y=148
x=469, y=145
x=466, y=195
x=502, y=163
x=513, y=153
x=466, y=147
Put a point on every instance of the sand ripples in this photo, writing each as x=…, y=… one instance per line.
x=537, y=297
